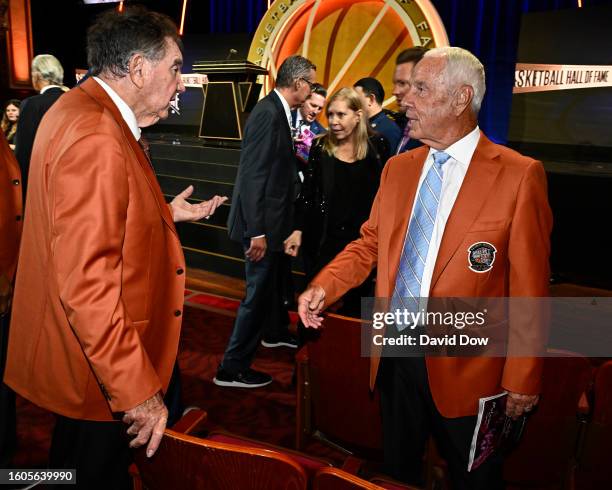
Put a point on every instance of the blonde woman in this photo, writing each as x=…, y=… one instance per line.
x=341, y=181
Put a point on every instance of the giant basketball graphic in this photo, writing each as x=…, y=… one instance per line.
x=346, y=39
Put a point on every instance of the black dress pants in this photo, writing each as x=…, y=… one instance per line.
x=409, y=416
x=99, y=451
x=262, y=311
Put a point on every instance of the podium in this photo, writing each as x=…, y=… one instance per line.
x=229, y=96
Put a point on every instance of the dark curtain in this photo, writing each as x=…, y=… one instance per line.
x=488, y=28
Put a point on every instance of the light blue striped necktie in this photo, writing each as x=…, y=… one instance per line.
x=416, y=245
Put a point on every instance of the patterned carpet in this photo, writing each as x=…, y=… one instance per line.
x=266, y=414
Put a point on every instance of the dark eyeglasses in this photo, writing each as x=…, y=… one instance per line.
x=311, y=85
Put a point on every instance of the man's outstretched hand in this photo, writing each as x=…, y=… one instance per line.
x=147, y=423
x=183, y=210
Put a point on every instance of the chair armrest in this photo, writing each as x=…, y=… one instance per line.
x=190, y=420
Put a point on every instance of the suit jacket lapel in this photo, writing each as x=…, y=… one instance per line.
x=97, y=92
x=279, y=105
x=475, y=189
x=405, y=191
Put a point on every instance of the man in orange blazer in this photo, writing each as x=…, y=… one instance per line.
x=99, y=291
x=488, y=236
x=10, y=234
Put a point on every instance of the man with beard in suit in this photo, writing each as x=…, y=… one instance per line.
x=47, y=79
x=261, y=219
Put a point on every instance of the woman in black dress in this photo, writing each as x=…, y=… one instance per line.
x=341, y=181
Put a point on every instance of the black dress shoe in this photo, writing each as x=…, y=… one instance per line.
x=249, y=378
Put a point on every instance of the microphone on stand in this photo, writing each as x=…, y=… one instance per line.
x=232, y=52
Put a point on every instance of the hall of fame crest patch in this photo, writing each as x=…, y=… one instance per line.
x=481, y=256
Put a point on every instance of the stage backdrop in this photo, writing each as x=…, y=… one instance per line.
x=346, y=39
x=488, y=28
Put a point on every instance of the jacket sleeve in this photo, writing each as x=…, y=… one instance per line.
x=258, y=148
x=89, y=199
x=528, y=254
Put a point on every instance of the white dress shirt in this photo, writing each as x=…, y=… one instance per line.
x=453, y=173
x=286, y=107
x=128, y=114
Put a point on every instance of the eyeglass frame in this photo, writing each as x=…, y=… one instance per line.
x=311, y=85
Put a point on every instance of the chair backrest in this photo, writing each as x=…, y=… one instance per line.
x=546, y=450
x=595, y=469
x=336, y=479
x=342, y=407
x=188, y=462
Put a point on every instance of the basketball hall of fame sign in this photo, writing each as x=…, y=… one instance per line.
x=345, y=39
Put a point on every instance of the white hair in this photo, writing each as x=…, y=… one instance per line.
x=462, y=68
x=49, y=68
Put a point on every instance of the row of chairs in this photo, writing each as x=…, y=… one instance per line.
x=566, y=445
x=567, y=442
x=223, y=461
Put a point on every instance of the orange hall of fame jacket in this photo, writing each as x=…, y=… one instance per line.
x=99, y=290
x=502, y=201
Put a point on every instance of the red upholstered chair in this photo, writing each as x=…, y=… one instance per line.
x=186, y=462
x=334, y=402
x=335, y=479
x=595, y=466
x=545, y=456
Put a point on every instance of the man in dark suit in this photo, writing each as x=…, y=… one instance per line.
x=47, y=79
x=404, y=63
x=372, y=95
x=304, y=124
x=261, y=218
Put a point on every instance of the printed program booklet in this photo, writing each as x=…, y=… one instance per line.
x=494, y=430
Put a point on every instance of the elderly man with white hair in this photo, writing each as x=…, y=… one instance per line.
x=460, y=217
x=47, y=80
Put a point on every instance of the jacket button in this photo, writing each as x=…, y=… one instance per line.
x=179, y=271
x=18, y=217
x=15, y=181
x=177, y=312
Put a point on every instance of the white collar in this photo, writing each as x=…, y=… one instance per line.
x=285, y=106
x=299, y=118
x=463, y=150
x=47, y=87
x=126, y=112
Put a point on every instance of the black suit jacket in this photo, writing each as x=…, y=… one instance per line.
x=31, y=113
x=265, y=189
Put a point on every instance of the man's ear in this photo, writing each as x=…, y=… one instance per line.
x=463, y=98
x=136, y=69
